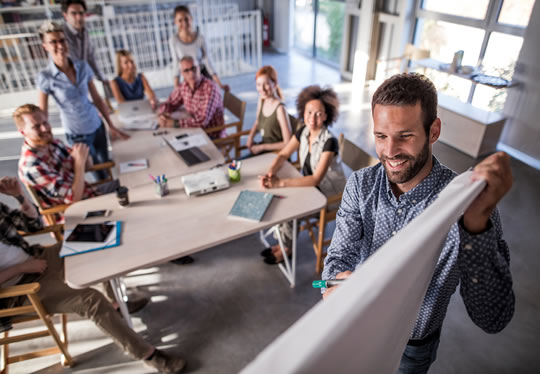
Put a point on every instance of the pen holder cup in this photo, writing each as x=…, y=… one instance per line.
x=162, y=189
x=122, y=195
x=234, y=175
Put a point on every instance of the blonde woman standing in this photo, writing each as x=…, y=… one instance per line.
x=190, y=43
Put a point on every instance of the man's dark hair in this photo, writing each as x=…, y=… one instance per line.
x=407, y=89
x=67, y=3
x=327, y=96
x=182, y=9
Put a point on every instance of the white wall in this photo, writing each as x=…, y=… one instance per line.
x=522, y=130
x=283, y=16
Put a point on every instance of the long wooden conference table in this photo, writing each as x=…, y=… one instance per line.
x=159, y=229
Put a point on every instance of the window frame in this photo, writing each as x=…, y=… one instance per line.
x=489, y=24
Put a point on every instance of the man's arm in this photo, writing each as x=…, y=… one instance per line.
x=209, y=103
x=174, y=102
x=27, y=218
x=484, y=257
x=343, y=253
x=32, y=265
x=486, y=281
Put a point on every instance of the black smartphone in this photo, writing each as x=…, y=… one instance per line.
x=97, y=213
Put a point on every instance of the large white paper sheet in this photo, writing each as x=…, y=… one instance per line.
x=364, y=326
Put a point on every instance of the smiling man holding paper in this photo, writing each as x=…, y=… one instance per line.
x=381, y=200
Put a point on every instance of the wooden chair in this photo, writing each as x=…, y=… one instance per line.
x=49, y=214
x=395, y=65
x=355, y=158
x=32, y=312
x=231, y=143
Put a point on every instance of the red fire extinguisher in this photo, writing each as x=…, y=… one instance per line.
x=266, y=32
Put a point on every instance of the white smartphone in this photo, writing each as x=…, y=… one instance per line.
x=97, y=213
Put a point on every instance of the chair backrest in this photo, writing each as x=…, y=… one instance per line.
x=50, y=219
x=352, y=156
x=33, y=195
x=234, y=105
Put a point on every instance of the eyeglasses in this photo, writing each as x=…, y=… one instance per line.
x=55, y=42
x=192, y=69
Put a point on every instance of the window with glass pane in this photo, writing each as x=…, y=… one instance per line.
x=330, y=30
x=304, y=18
x=463, y=8
x=450, y=85
x=501, y=55
x=500, y=60
x=443, y=39
x=516, y=12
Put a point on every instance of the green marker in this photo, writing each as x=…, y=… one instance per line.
x=327, y=283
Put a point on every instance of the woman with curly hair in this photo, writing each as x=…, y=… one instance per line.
x=318, y=153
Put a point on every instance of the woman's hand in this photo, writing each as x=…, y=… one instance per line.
x=154, y=103
x=256, y=148
x=118, y=134
x=270, y=181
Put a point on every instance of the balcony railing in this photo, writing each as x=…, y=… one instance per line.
x=233, y=39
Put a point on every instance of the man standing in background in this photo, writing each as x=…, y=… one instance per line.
x=78, y=40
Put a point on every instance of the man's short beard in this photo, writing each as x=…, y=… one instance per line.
x=417, y=163
x=42, y=141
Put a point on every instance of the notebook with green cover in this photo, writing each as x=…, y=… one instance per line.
x=251, y=204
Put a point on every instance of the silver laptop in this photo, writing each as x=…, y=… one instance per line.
x=135, y=108
x=205, y=182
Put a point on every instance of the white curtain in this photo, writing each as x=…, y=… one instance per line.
x=364, y=326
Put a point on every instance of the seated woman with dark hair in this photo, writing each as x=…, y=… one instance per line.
x=318, y=154
x=128, y=85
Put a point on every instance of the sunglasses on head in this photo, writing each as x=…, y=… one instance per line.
x=192, y=69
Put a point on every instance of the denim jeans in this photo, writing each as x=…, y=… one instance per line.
x=418, y=359
x=97, y=143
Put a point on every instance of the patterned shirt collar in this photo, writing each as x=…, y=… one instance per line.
x=197, y=84
x=40, y=152
x=54, y=69
x=418, y=193
x=74, y=31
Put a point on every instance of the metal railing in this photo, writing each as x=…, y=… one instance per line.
x=233, y=39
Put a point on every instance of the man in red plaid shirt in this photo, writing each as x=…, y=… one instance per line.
x=199, y=96
x=55, y=170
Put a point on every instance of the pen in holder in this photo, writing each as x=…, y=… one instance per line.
x=234, y=171
x=162, y=187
